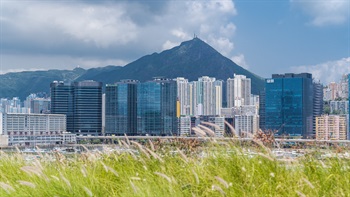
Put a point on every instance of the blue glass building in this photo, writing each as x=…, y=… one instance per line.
x=156, y=107
x=87, y=107
x=62, y=101
x=81, y=102
x=121, y=108
x=289, y=104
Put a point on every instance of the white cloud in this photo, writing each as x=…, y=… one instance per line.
x=95, y=32
x=180, y=33
x=325, y=12
x=168, y=45
x=240, y=60
x=326, y=72
x=45, y=62
x=100, y=24
x=222, y=44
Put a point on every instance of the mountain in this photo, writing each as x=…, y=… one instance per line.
x=21, y=84
x=191, y=60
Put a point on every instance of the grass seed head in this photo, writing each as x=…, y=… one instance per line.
x=27, y=183
x=83, y=171
x=8, y=188
x=218, y=188
x=184, y=157
x=32, y=170
x=300, y=194
x=222, y=181
x=134, y=188
x=66, y=181
x=308, y=183
x=151, y=144
x=135, y=178
x=164, y=176
x=88, y=191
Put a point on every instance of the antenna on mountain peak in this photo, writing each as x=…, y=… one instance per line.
x=194, y=35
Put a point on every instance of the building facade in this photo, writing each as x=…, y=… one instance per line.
x=34, y=129
x=62, y=101
x=246, y=125
x=230, y=97
x=331, y=127
x=40, y=105
x=183, y=95
x=339, y=107
x=262, y=119
x=121, y=108
x=13, y=105
x=81, y=102
x=242, y=90
x=289, y=105
x=206, y=96
x=185, y=126
x=317, y=104
x=156, y=107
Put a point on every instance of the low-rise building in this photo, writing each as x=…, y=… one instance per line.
x=246, y=125
x=35, y=129
x=214, y=123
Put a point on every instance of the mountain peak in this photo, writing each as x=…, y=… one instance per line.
x=194, y=41
x=195, y=48
x=191, y=59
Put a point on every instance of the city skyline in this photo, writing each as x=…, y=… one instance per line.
x=265, y=37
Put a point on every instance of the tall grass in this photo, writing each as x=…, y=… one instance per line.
x=212, y=169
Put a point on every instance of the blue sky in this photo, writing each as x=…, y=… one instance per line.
x=266, y=37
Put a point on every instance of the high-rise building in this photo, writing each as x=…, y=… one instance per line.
x=262, y=110
x=339, y=107
x=87, y=107
x=343, y=90
x=289, y=104
x=230, y=93
x=183, y=95
x=242, y=90
x=40, y=105
x=62, y=101
x=13, y=105
x=206, y=96
x=349, y=103
x=254, y=100
x=103, y=113
x=317, y=103
x=121, y=108
x=156, y=107
x=331, y=127
x=81, y=102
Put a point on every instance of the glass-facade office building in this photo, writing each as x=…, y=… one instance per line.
x=62, y=101
x=289, y=104
x=87, y=107
x=135, y=108
x=156, y=107
x=121, y=108
x=81, y=102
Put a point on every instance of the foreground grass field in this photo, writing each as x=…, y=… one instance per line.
x=212, y=169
